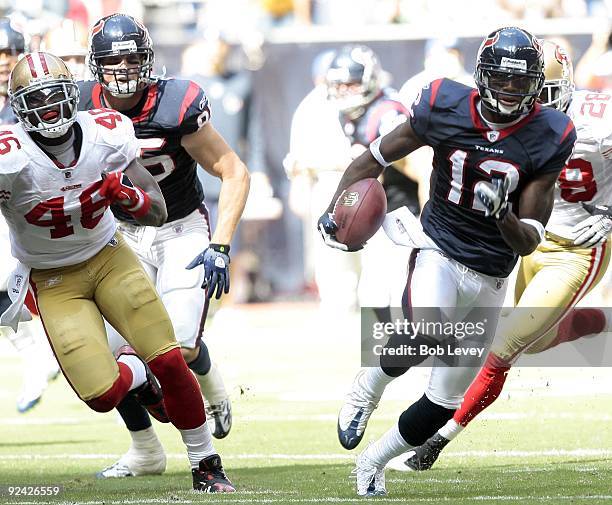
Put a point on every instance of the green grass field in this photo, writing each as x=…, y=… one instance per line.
x=547, y=440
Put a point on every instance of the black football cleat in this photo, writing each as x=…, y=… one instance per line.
x=149, y=394
x=424, y=456
x=209, y=477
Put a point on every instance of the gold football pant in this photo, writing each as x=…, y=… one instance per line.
x=72, y=301
x=550, y=282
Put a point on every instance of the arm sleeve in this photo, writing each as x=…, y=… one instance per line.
x=421, y=111
x=563, y=153
x=194, y=110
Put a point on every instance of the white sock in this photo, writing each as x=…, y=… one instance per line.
x=145, y=440
x=139, y=373
x=388, y=446
x=199, y=444
x=212, y=386
x=374, y=381
x=451, y=429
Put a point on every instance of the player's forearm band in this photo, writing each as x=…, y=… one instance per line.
x=375, y=150
x=142, y=206
x=537, y=225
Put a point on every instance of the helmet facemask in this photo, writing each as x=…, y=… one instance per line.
x=126, y=79
x=49, y=108
x=559, y=77
x=508, y=93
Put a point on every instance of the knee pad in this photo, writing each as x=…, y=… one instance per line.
x=421, y=420
x=397, y=364
x=201, y=365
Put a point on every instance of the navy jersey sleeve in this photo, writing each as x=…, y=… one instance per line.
x=194, y=110
x=566, y=147
x=421, y=111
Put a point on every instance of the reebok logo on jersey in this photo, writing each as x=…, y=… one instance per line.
x=512, y=63
x=68, y=188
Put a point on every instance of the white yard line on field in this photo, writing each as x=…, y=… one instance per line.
x=237, y=499
x=577, y=453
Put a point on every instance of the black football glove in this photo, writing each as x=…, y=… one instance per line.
x=328, y=228
x=216, y=261
x=494, y=196
x=598, y=210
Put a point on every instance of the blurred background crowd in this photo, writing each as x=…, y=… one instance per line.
x=258, y=60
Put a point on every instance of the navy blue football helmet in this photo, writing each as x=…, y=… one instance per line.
x=353, y=79
x=510, y=71
x=116, y=36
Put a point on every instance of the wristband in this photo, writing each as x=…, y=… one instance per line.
x=142, y=206
x=375, y=150
x=222, y=248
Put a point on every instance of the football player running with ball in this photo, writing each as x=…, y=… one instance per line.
x=566, y=265
x=171, y=118
x=60, y=170
x=497, y=155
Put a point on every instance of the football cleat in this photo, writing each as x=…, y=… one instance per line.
x=209, y=477
x=149, y=394
x=370, y=479
x=422, y=457
x=220, y=416
x=355, y=413
x=33, y=390
x=135, y=463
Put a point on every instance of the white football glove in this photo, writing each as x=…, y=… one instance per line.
x=494, y=196
x=592, y=231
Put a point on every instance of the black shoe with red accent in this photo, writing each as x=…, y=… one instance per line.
x=149, y=394
x=209, y=477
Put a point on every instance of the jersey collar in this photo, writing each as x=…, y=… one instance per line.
x=138, y=113
x=484, y=130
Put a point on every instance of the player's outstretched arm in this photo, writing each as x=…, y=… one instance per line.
x=383, y=151
x=523, y=232
x=210, y=150
x=148, y=205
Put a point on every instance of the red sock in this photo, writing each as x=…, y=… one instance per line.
x=109, y=400
x=485, y=389
x=182, y=396
x=578, y=323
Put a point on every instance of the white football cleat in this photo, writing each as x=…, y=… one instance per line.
x=216, y=402
x=355, y=413
x=370, y=479
x=135, y=463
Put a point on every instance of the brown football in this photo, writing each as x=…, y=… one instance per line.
x=359, y=212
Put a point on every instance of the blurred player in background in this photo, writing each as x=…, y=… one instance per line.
x=359, y=108
x=565, y=267
x=68, y=40
x=59, y=173
x=171, y=119
x=490, y=201
x=39, y=365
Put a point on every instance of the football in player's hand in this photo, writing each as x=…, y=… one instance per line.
x=359, y=212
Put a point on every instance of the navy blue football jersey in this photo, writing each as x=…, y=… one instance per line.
x=381, y=116
x=445, y=116
x=7, y=116
x=168, y=110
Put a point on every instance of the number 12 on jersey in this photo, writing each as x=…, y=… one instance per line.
x=485, y=169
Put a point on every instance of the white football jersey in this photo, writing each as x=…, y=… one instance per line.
x=587, y=176
x=55, y=214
